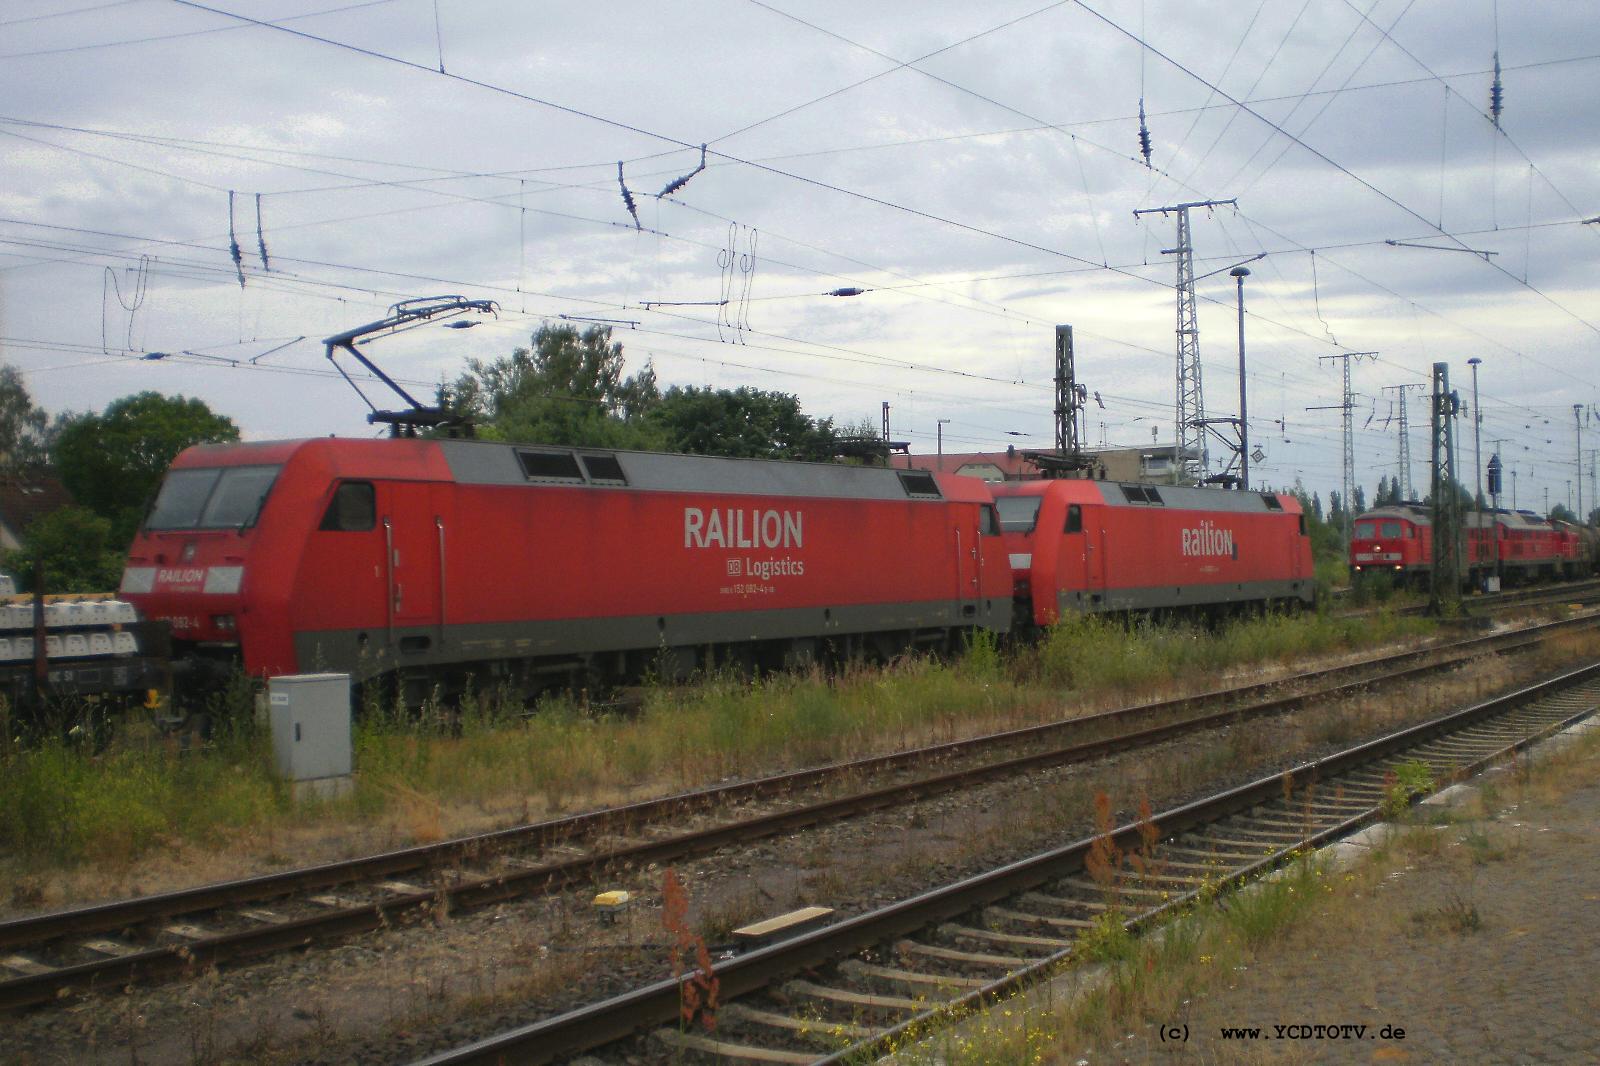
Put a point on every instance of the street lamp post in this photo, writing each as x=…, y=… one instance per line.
x=941, y=424
x=1238, y=274
x=1477, y=454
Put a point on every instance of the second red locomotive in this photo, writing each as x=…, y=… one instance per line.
x=1090, y=546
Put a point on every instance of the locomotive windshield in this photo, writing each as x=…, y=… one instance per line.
x=211, y=498
x=1018, y=513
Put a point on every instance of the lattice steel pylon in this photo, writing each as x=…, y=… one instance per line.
x=1345, y=407
x=1189, y=412
x=1404, y=471
x=1069, y=399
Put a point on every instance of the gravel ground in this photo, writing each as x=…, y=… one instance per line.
x=392, y=996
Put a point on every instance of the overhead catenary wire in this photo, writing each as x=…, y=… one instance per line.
x=95, y=46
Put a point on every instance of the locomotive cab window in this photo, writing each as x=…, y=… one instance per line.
x=183, y=495
x=1074, y=519
x=211, y=498
x=988, y=521
x=353, y=508
x=1018, y=513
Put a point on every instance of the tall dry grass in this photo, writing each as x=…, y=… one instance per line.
x=494, y=759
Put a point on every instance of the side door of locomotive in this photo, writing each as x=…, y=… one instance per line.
x=411, y=516
x=969, y=559
x=1096, y=546
x=1078, y=559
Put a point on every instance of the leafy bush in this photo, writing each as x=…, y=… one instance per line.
x=76, y=548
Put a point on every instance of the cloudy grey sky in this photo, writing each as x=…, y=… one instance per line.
x=976, y=166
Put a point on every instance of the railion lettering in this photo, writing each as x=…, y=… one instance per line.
x=1208, y=540
x=733, y=527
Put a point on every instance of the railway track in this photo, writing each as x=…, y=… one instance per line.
x=44, y=958
x=1496, y=601
x=851, y=990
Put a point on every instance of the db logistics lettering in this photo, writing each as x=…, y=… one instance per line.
x=191, y=576
x=770, y=568
x=732, y=527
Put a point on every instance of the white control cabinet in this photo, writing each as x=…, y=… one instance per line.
x=310, y=716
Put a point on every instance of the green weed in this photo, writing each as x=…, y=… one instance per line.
x=1260, y=913
x=1411, y=778
x=1107, y=941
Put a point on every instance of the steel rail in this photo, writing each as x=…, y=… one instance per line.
x=32, y=929
x=621, y=1016
x=1020, y=979
x=1529, y=597
x=404, y=908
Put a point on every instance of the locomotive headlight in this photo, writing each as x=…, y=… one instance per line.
x=223, y=622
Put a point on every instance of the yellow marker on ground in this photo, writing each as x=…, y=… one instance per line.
x=610, y=904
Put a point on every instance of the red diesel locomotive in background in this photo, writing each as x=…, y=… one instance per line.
x=1398, y=539
x=435, y=560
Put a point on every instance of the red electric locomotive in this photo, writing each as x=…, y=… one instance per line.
x=433, y=560
x=1108, y=546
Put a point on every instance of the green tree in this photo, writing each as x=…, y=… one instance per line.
x=568, y=388
x=78, y=551
x=743, y=423
x=1562, y=513
x=24, y=429
x=113, y=462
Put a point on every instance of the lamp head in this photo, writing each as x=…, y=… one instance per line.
x=1239, y=272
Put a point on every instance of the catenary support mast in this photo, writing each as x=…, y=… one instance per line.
x=1189, y=412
